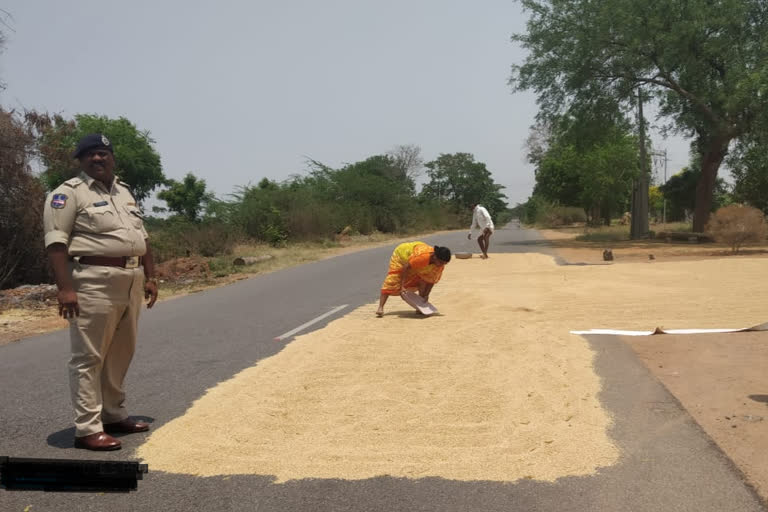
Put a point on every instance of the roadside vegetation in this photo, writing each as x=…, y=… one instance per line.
x=299, y=219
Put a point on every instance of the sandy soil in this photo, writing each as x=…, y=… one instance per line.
x=495, y=388
x=575, y=251
x=16, y=324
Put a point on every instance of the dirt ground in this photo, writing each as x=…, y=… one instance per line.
x=719, y=378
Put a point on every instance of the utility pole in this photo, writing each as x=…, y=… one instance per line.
x=664, y=214
x=639, y=227
x=666, y=160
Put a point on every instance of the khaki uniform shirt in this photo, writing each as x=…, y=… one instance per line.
x=93, y=221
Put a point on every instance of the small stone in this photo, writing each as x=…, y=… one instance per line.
x=751, y=418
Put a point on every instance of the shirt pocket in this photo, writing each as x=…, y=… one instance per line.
x=135, y=217
x=100, y=219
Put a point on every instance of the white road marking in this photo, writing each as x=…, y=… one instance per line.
x=313, y=321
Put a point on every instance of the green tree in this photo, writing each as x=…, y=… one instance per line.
x=187, y=198
x=137, y=161
x=586, y=158
x=703, y=62
x=680, y=193
x=655, y=202
x=557, y=175
x=748, y=163
x=461, y=181
x=377, y=190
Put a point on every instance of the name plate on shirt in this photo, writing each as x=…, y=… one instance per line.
x=101, y=203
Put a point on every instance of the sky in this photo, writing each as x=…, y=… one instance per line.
x=235, y=91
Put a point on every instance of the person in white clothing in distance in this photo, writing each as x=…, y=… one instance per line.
x=481, y=221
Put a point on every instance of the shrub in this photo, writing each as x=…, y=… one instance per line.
x=736, y=225
x=535, y=209
x=314, y=221
x=176, y=238
x=22, y=255
x=210, y=239
x=564, y=216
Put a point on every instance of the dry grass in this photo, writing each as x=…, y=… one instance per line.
x=224, y=272
x=573, y=248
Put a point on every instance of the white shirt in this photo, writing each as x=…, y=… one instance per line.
x=481, y=219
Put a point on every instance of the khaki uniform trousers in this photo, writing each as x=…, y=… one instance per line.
x=103, y=340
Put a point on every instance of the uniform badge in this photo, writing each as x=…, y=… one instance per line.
x=58, y=201
x=104, y=140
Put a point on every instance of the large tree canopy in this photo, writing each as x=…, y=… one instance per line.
x=137, y=161
x=461, y=181
x=702, y=61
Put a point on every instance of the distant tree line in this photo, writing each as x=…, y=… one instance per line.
x=378, y=194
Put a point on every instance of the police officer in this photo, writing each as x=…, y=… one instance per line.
x=98, y=248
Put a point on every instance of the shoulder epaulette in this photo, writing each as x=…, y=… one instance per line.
x=73, y=182
x=130, y=190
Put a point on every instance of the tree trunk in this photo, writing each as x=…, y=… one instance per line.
x=605, y=213
x=705, y=188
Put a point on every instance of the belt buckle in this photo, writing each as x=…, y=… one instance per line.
x=132, y=262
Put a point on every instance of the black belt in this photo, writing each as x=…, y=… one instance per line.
x=113, y=261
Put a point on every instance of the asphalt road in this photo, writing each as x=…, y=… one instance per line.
x=190, y=344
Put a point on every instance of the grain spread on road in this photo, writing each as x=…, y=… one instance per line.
x=494, y=388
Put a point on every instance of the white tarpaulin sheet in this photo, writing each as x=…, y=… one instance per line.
x=659, y=330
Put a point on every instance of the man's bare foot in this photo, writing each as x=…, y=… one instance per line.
x=379, y=313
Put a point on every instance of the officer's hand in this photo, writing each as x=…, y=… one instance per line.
x=150, y=293
x=68, y=307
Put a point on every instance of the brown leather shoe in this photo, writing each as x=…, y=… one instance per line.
x=99, y=442
x=126, y=426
